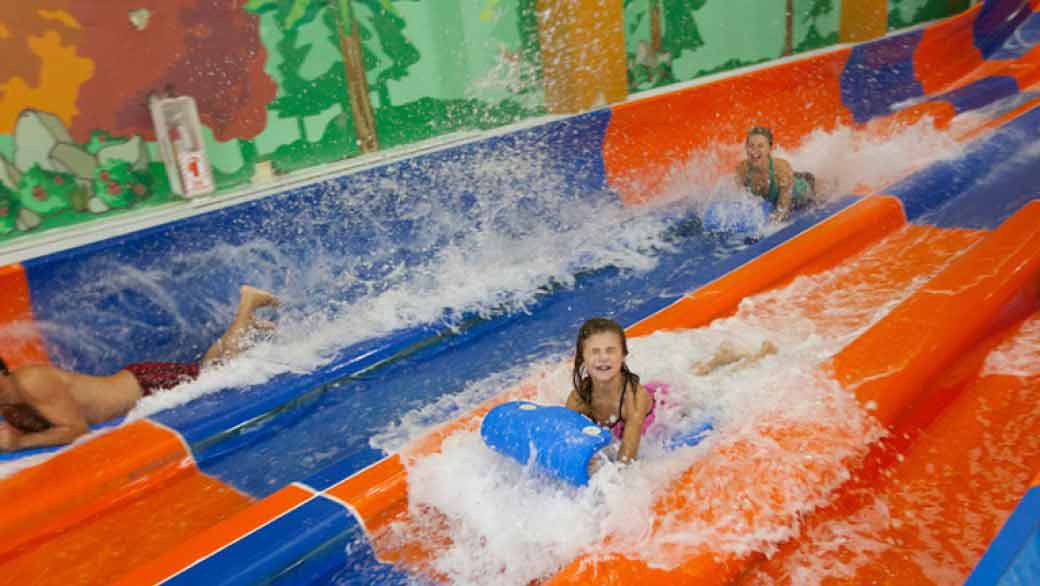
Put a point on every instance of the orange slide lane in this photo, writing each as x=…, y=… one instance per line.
x=886, y=368
x=950, y=479
x=106, y=506
x=931, y=248
x=239, y=521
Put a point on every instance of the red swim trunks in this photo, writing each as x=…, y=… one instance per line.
x=159, y=376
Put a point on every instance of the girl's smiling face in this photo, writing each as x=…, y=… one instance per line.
x=603, y=356
x=758, y=149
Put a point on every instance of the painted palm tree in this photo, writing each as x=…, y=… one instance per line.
x=788, y=28
x=295, y=13
x=357, y=83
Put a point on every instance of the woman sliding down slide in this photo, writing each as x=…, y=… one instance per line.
x=771, y=178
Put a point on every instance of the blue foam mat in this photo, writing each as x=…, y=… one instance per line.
x=558, y=441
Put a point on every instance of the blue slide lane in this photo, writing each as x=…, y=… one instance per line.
x=996, y=27
x=1013, y=558
x=979, y=93
x=996, y=175
x=281, y=553
x=170, y=318
x=989, y=184
x=879, y=74
x=551, y=325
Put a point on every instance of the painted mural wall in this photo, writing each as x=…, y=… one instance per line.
x=283, y=85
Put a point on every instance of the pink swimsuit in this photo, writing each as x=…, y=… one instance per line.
x=653, y=389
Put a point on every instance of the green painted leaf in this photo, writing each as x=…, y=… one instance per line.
x=261, y=6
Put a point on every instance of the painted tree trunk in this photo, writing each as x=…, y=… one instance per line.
x=655, y=31
x=789, y=28
x=357, y=83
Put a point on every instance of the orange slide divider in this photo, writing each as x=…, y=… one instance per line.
x=960, y=510
x=975, y=289
x=21, y=342
x=979, y=288
x=139, y=480
x=200, y=545
x=823, y=246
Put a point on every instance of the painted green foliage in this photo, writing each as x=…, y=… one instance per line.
x=116, y=183
x=904, y=13
x=8, y=210
x=386, y=27
x=382, y=32
x=46, y=192
x=813, y=39
x=650, y=65
x=388, y=56
x=298, y=97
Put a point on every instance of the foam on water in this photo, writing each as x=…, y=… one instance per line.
x=842, y=159
x=508, y=526
x=795, y=430
x=1019, y=355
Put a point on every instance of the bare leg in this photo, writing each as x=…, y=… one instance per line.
x=727, y=354
x=234, y=340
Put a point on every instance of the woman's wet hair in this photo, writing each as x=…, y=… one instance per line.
x=760, y=131
x=3, y=367
x=581, y=380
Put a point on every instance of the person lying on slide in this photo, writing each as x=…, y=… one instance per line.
x=772, y=178
x=45, y=406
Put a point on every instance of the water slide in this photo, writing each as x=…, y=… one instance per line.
x=894, y=440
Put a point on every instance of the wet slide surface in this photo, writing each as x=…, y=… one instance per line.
x=939, y=494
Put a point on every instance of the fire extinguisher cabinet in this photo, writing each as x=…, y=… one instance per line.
x=179, y=133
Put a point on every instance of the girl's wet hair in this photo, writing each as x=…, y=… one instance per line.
x=582, y=381
x=760, y=131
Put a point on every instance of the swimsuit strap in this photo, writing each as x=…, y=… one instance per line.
x=621, y=402
x=774, y=190
x=772, y=195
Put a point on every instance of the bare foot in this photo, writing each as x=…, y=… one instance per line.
x=251, y=298
x=767, y=348
x=701, y=368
